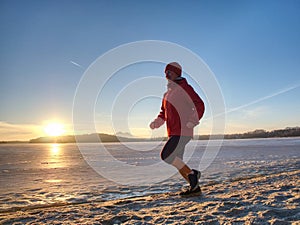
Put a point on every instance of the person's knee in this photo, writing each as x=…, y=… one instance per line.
x=166, y=157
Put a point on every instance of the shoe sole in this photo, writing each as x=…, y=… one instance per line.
x=192, y=194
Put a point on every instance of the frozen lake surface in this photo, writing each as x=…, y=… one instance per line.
x=37, y=175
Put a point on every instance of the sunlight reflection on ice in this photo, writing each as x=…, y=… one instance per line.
x=55, y=149
x=53, y=181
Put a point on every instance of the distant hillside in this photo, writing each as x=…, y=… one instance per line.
x=124, y=134
x=78, y=138
x=85, y=138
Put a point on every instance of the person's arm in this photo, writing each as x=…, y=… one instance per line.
x=198, y=107
x=159, y=121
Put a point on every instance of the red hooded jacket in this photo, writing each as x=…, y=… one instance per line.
x=180, y=105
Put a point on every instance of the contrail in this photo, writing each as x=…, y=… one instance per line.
x=76, y=64
x=258, y=100
x=264, y=98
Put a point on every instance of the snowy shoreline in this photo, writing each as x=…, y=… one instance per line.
x=263, y=199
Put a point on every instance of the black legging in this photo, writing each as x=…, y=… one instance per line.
x=174, y=148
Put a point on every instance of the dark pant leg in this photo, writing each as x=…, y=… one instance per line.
x=174, y=148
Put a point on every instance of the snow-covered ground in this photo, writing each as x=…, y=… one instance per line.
x=248, y=179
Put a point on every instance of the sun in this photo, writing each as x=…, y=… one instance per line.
x=54, y=129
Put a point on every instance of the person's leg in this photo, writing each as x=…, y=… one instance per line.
x=183, y=169
x=172, y=153
x=192, y=176
x=167, y=153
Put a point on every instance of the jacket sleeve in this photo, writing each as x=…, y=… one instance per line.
x=162, y=110
x=160, y=120
x=197, y=105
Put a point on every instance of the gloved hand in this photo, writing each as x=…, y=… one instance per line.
x=190, y=125
x=152, y=125
x=156, y=123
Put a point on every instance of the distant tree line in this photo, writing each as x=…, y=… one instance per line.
x=287, y=132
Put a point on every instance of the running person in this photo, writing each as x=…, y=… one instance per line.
x=182, y=108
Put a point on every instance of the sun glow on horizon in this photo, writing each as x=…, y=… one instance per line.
x=54, y=129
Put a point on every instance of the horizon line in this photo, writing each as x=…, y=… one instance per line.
x=149, y=138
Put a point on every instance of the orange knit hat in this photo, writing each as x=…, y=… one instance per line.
x=175, y=67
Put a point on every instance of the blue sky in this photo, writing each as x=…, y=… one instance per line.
x=253, y=48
